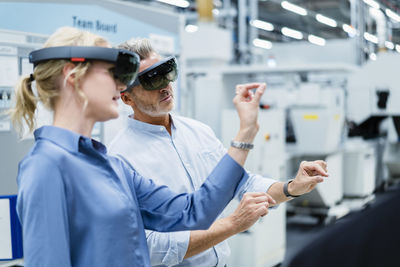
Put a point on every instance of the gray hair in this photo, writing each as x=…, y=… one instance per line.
x=140, y=46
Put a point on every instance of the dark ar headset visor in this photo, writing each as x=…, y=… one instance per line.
x=157, y=76
x=126, y=62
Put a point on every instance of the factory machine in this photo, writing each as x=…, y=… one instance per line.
x=315, y=125
x=374, y=112
x=317, y=118
x=317, y=128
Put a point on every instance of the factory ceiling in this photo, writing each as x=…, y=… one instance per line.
x=271, y=11
x=339, y=10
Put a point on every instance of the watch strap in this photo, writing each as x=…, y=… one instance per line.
x=285, y=189
x=241, y=145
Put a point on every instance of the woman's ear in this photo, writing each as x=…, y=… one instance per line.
x=66, y=71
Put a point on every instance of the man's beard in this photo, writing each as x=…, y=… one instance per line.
x=152, y=110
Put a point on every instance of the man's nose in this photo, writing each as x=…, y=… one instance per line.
x=165, y=89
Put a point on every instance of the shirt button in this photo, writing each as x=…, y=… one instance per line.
x=161, y=129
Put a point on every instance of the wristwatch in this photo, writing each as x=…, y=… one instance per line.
x=241, y=145
x=285, y=189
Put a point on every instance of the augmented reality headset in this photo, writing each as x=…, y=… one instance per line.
x=157, y=76
x=126, y=62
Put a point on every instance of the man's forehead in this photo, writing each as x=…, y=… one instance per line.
x=149, y=61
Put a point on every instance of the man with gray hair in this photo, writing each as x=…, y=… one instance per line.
x=180, y=152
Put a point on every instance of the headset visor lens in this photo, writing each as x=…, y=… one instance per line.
x=126, y=68
x=159, y=75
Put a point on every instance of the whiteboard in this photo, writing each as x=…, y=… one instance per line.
x=5, y=229
x=8, y=71
x=26, y=67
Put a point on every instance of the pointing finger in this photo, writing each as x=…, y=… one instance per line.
x=259, y=92
x=316, y=167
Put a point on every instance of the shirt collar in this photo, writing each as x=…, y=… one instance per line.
x=144, y=126
x=67, y=139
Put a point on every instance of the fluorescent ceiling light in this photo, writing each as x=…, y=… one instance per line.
x=294, y=8
x=179, y=3
x=389, y=45
x=372, y=3
x=262, y=43
x=392, y=15
x=191, y=28
x=262, y=25
x=316, y=40
x=292, y=33
x=326, y=20
x=349, y=29
x=370, y=37
x=398, y=48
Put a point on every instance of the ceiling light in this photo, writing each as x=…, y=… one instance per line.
x=262, y=43
x=372, y=3
x=389, y=45
x=326, y=20
x=349, y=29
x=294, y=8
x=316, y=40
x=178, y=3
x=292, y=33
x=392, y=15
x=262, y=25
x=370, y=37
x=191, y=28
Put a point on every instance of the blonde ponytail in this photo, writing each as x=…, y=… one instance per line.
x=25, y=105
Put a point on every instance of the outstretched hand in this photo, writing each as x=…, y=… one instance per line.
x=247, y=104
x=310, y=173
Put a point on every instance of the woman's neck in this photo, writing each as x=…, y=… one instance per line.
x=71, y=116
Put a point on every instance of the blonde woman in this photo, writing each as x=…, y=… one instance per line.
x=81, y=207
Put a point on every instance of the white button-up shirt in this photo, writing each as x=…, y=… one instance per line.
x=182, y=161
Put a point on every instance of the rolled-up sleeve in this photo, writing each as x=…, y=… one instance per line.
x=255, y=183
x=163, y=210
x=167, y=249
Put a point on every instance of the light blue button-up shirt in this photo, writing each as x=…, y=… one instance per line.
x=80, y=207
x=182, y=160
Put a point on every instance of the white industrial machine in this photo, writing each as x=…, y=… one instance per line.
x=373, y=107
x=391, y=158
x=359, y=171
x=317, y=117
x=264, y=243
